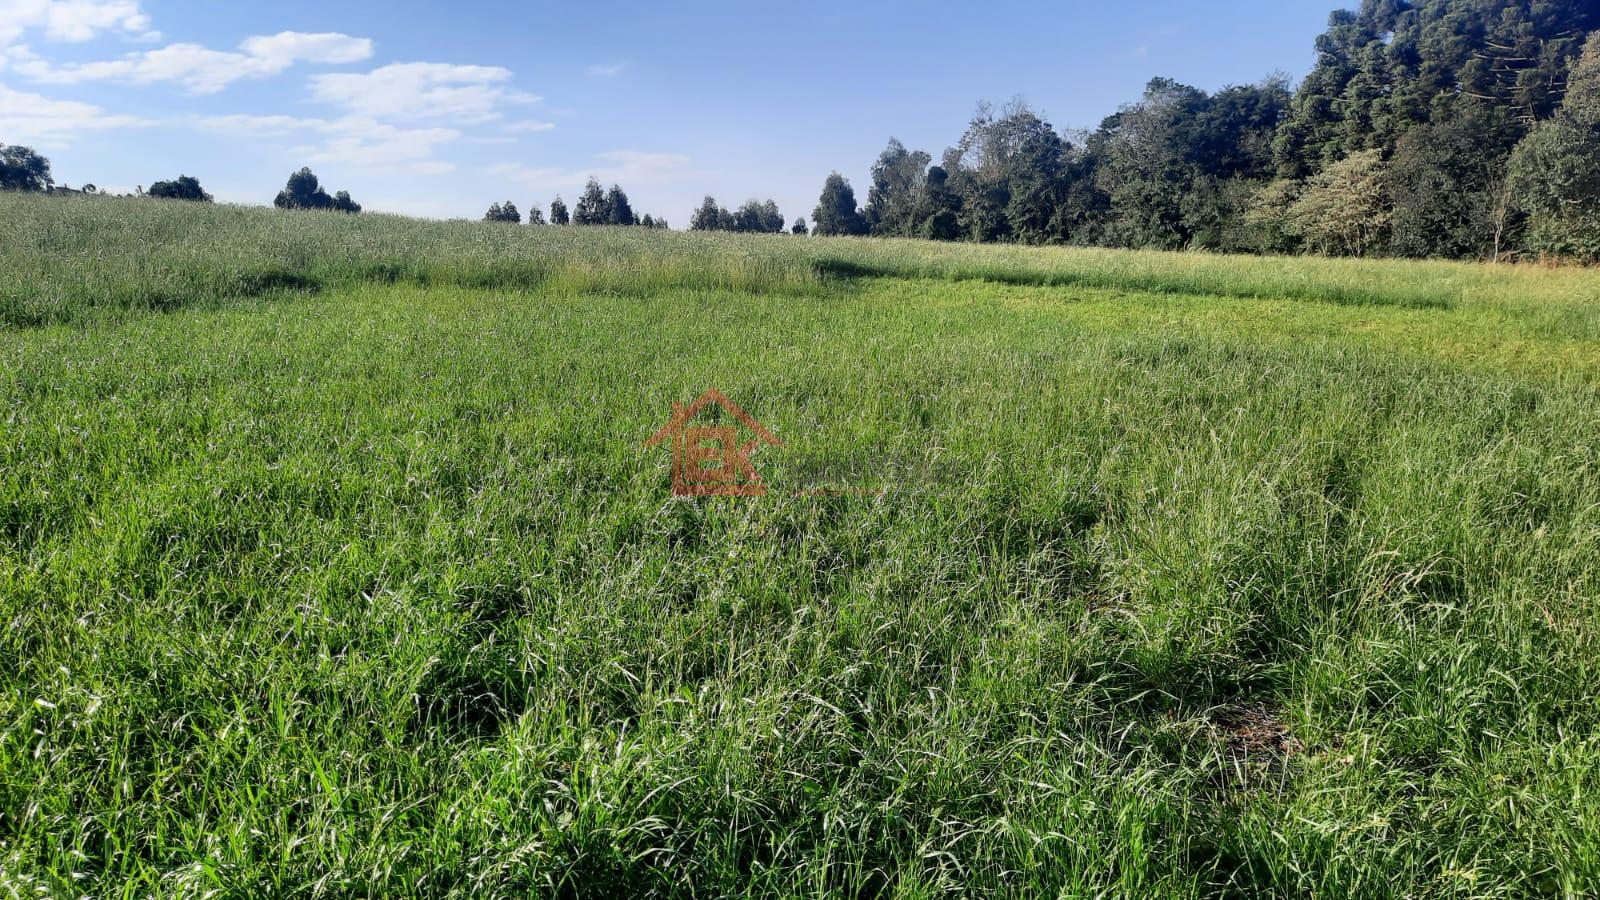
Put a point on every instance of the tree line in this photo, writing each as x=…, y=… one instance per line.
x=754, y=217
x=24, y=169
x=1439, y=128
x=595, y=207
x=611, y=207
x=1426, y=128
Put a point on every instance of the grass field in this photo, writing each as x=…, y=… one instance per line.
x=332, y=564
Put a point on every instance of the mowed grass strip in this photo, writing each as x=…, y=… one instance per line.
x=376, y=591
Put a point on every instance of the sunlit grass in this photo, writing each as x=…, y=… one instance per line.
x=1177, y=586
x=71, y=258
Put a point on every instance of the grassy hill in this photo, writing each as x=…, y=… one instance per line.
x=332, y=563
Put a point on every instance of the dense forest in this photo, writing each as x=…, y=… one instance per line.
x=1439, y=128
x=1452, y=128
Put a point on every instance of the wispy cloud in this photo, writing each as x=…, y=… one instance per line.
x=464, y=94
x=356, y=141
x=606, y=71
x=630, y=167
x=198, y=69
x=49, y=122
x=529, y=127
x=289, y=47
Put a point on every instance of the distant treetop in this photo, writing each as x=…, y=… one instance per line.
x=304, y=191
x=23, y=169
x=185, y=187
x=504, y=212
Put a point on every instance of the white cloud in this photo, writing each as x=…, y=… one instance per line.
x=624, y=167
x=260, y=126
x=607, y=71
x=468, y=94
x=642, y=162
x=73, y=20
x=356, y=141
x=397, y=119
x=373, y=146
x=199, y=69
x=36, y=119
x=286, y=48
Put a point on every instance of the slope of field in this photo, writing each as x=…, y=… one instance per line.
x=332, y=563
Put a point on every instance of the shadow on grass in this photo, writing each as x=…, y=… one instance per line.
x=835, y=268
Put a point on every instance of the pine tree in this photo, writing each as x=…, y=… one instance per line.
x=1395, y=65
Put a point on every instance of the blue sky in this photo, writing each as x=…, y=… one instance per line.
x=439, y=109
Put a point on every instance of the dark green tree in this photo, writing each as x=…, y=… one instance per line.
x=799, y=227
x=898, y=180
x=939, y=208
x=558, y=212
x=1168, y=163
x=591, y=208
x=708, y=216
x=304, y=191
x=1555, y=171
x=535, y=216
x=23, y=169
x=771, y=218
x=757, y=217
x=506, y=212
x=618, y=211
x=747, y=218
x=836, y=212
x=1393, y=65
x=184, y=187
x=1007, y=175
x=1447, y=180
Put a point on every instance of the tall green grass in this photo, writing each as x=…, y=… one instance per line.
x=371, y=589
x=71, y=258
x=67, y=259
